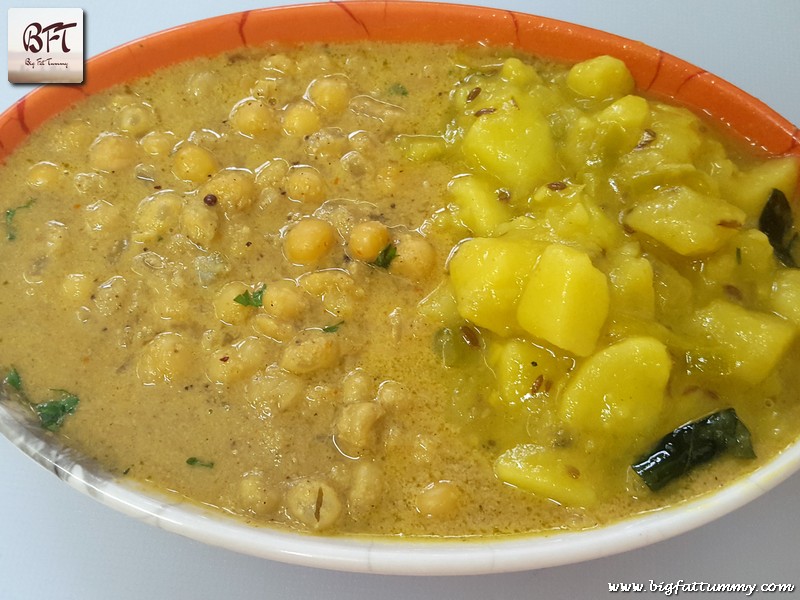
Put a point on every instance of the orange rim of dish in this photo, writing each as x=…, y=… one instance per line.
x=656, y=73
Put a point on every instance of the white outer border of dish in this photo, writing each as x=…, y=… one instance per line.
x=395, y=556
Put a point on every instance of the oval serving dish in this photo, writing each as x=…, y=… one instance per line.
x=655, y=73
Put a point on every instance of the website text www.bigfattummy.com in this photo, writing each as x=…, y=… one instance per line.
x=670, y=588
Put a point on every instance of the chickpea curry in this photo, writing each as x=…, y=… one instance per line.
x=402, y=290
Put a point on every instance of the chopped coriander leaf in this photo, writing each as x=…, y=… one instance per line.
x=193, y=461
x=13, y=379
x=52, y=413
x=255, y=299
x=332, y=328
x=11, y=232
x=386, y=256
x=398, y=89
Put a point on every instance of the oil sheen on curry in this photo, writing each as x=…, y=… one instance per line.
x=402, y=290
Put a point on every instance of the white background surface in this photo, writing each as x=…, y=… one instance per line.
x=57, y=544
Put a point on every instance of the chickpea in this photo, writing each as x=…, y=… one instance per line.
x=393, y=394
x=439, y=499
x=252, y=117
x=415, y=258
x=156, y=215
x=267, y=88
x=356, y=426
x=101, y=215
x=279, y=63
x=273, y=328
x=199, y=222
x=366, y=487
x=237, y=361
x=336, y=288
x=158, y=143
x=257, y=495
x=272, y=173
x=44, y=176
x=314, y=503
x=136, y=119
x=300, y=119
x=328, y=142
x=310, y=351
x=308, y=241
x=111, y=152
x=356, y=387
x=367, y=239
x=275, y=389
x=305, y=184
x=235, y=189
x=109, y=296
x=193, y=163
x=165, y=358
x=284, y=300
x=226, y=308
x=331, y=93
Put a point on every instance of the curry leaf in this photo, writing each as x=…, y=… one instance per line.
x=777, y=222
x=193, y=461
x=693, y=444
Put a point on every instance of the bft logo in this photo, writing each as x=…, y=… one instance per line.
x=32, y=39
x=45, y=45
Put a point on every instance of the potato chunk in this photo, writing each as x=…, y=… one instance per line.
x=632, y=287
x=488, y=276
x=514, y=143
x=785, y=296
x=565, y=300
x=546, y=473
x=480, y=206
x=521, y=369
x=749, y=343
x=619, y=391
x=749, y=190
x=600, y=78
x=686, y=221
